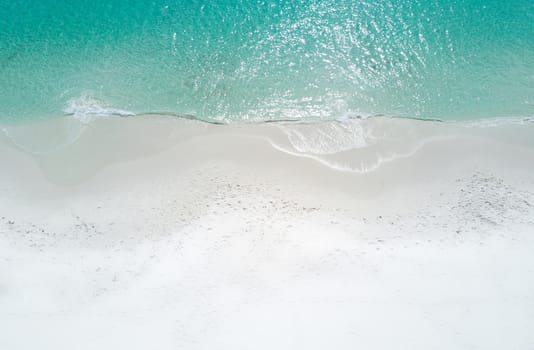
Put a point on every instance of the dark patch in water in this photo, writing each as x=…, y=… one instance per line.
x=7, y=60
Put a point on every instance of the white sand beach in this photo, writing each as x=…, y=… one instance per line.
x=160, y=233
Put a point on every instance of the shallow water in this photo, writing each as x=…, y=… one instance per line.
x=267, y=60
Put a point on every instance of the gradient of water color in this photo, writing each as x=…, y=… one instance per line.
x=264, y=60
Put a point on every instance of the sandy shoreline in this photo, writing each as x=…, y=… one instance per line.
x=162, y=233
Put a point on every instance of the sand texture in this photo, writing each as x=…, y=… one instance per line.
x=160, y=233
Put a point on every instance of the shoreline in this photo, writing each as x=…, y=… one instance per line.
x=156, y=232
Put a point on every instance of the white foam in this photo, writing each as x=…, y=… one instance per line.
x=86, y=108
x=360, y=145
x=43, y=137
x=362, y=166
x=327, y=137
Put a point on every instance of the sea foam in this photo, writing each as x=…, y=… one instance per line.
x=86, y=108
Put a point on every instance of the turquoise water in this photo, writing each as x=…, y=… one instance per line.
x=265, y=60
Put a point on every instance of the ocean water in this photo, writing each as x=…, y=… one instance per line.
x=233, y=61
